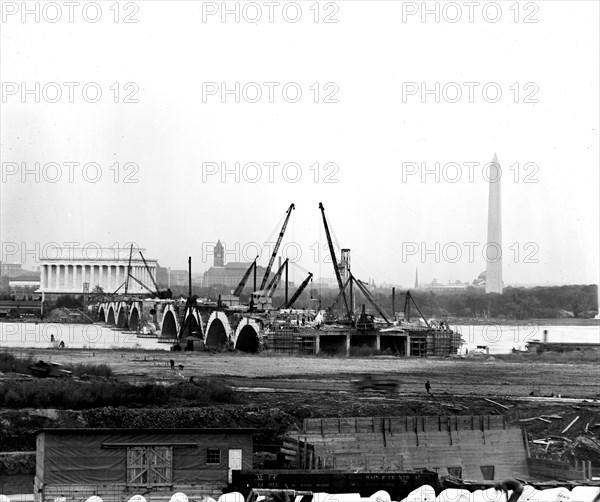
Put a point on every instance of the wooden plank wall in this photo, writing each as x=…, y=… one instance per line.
x=120, y=493
x=545, y=469
x=384, y=444
x=298, y=454
x=403, y=424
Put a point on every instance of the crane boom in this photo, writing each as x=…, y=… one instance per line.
x=273, y=283
x=240, y=286
x=335, y=263
x=128, y=269
x=298, y=292
x=142, y=284
x=276, y=248
x=156, y=290
x=369, y=297
x=409, y=298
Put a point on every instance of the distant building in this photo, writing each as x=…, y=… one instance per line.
x=74, y=270
x=23, y=283
x=11, y=269
x=219, y=254
x=169, y=277
x=115, y=464
x=480, y=281
x=230, y=274
x=435, y=285
x=325, y=282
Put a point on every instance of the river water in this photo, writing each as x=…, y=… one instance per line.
x=502, y=339
x=499, y=339
x=92, y=336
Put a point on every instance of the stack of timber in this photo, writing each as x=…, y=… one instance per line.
x=298, y=454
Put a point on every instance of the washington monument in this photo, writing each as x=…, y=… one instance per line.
x=493, y=275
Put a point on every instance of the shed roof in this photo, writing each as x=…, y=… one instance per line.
x=219, y=430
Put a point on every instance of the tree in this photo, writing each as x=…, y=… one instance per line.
x=68, y=301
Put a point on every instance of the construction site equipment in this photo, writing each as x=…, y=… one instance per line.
x=42, y=369
x=128, y=269
x=290, y=303
x=370, y=298
x=375, y=382
x=272, y=286
x=155, y=292
x=240, y=287
x=409, y=298
x=336, y=268
x=276, y=248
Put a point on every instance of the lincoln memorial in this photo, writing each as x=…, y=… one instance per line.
x=68, y=269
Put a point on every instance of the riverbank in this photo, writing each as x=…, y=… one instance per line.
x=571, y=321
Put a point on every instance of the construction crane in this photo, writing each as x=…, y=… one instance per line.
x=275, y=280
x=290, y=303
x=338, y=276
x=128, y=269
x=369, y=297
x=409, y=298
x=240, y=287
x=276, y=248
x=157, y=291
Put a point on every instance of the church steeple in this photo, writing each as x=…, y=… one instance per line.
x=416, y=278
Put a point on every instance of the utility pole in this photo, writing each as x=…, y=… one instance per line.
x=189, y=277
x=286, y=282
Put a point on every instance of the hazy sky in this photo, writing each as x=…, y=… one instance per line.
x=372, y=130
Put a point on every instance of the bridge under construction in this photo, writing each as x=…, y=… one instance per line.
x=199, y=324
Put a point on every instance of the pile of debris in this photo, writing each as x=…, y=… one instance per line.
x=570, y=443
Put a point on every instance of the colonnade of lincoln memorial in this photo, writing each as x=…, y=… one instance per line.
x=68, y=276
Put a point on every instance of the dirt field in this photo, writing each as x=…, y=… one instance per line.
x=274, y=394
x=457, y=377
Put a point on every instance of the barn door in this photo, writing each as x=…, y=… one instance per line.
x=235, y=462
x=149, y=466
x=160, y=465
x=137, y=466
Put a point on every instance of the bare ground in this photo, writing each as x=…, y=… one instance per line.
x=277, y=393
x=453, y=376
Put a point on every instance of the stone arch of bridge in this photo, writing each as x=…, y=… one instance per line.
x=247, y=336
x=219, y=332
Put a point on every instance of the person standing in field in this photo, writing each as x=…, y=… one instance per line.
x=510, y=484
x=428, y=387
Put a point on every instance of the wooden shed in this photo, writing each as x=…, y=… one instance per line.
x=116, y=464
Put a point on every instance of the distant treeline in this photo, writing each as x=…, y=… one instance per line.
x=544, y=302
x=514, y=303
